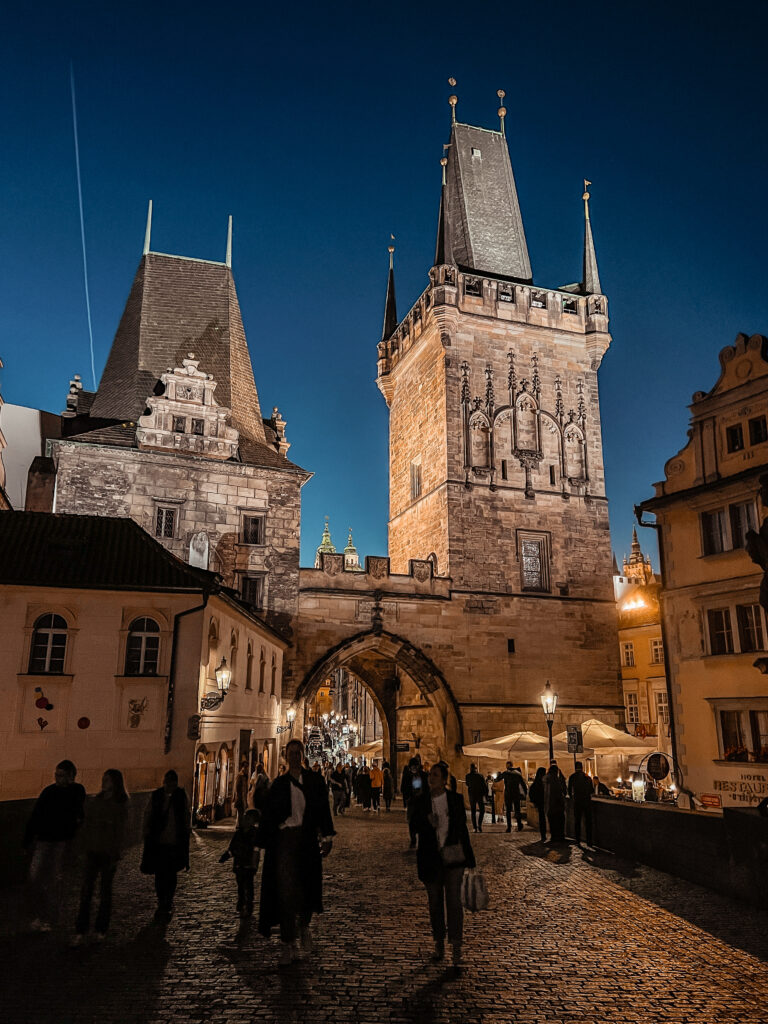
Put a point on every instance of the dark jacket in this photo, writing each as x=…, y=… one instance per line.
x=514, y=786
x=406, y=786
x=476, y=789
x=388, y=785
x=317, y=822
x=429, y=863
x=104, y=828
x=580, y=787
x=536, y=793
x=554, y=792
x=156, y=819
x=56, y=815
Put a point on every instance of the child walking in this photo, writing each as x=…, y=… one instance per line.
x=245, y=860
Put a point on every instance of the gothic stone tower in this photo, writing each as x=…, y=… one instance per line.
x=174, y=437
x=496, y=466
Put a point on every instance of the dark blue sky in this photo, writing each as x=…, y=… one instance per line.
x=320, y=128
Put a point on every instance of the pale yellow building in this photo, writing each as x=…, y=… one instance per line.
x=109, y=651
x=715, y=627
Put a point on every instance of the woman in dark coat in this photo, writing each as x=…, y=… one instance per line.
x=296, y=832
x=536, y=797
x=166, y=841
x=388, y=787
x=444, y=851
x=554, y=803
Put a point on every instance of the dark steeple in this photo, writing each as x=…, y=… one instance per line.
x=590, y=278
x=480, y=216
x=443, y=251
x=390, y=306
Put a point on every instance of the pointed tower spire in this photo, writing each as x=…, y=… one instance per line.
x=443, y=251
x=326, y=546
x=390, y=306
x=590, y=279
x=148, y=232
x=228, y=259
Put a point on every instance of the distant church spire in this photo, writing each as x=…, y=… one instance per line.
x=148, y=232
x=590, y=278
x=326, y=546
x=390, y=306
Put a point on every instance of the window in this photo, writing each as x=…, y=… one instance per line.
x=758, y=431
x=49, y=644
x=249, y=668
x=262, y=669
x=662, y=707
x=475, y=153
x=742, y=518
x=539, y=300
x=552, y=476
x=198, y=427
x=720, y=634
x=179, y=424
x=750, y=624
x=742, y=726
x=253, y=529
x=273, y=691
x=657, y=652
x=165, y=522
x=713, y=531
x=503, y=469
x=734, y=746
x=569, y=306
x=533, y=559
x=734, y=438
x=252, y=590
x=628, y=654
x=142, y=649
x=415, y=480
x=632, y=705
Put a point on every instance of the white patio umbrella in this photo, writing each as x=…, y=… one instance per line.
x=517, y=745
x=372, y=749
x=604, y=739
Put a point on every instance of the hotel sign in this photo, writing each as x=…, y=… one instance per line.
x=749, y=788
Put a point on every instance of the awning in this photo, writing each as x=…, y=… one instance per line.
x=521, y=745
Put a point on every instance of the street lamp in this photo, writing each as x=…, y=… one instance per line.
x=213, y=700
x=549, y=704
x=291, y=716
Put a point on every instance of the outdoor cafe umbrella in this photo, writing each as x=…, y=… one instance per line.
x=372, y=749
x=603, y=739
x=517, y=745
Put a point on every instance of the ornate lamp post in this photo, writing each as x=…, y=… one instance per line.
x=291, y=717
x=223, y=674
x=549, y=704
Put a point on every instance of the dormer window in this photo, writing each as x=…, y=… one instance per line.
x=539, y=300
x=569, y=306
x=476, y=154
x=472, y=286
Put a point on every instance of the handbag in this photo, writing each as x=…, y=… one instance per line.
x=453, y=855
x=474, y=892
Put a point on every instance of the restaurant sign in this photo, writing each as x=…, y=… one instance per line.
x=749, y=788
x=711, y=800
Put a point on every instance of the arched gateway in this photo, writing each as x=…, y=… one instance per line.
x=391, y=667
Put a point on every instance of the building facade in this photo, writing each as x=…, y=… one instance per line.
x=708, y=502
x=641, y=648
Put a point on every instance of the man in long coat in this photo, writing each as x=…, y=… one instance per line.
x=296, y=832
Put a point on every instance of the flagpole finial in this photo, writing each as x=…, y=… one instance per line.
x=453, y=100
x=502, y=111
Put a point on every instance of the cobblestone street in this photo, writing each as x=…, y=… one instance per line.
x=571, y=937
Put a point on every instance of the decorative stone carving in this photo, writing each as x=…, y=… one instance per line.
x=332, y=565
x=421, y=570
x=377, y=566
x=186, y=417
x=198, y=550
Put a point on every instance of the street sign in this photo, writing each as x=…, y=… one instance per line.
x=657, y=767
x=402, y=747
x=575, y=740
x=711, y=800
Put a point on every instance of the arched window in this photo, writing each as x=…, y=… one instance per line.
x=213, y=643
x=142, y=651
x=262, y=669
x=232, y=654
x=274, y=676
x=49, y=644
x=249, y=668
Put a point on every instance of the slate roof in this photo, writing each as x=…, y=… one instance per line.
x=483, y=219
x=47, y=549
x=179, y=305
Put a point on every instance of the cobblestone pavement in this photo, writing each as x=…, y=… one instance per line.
x=571, y=937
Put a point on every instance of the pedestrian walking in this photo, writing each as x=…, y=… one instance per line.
x=296, y=832
x=257, y=790
x=536, y=796
x=554, y=802
x=440, y=821
x=387, y=787
x=166, y=841
x=245, y=856
x=580, y=791
x=338, y=785
x=103, y=835
x=477, y=792
x=515, y=790
x=241, y=790
x=414, y=786
x=364, y=787
x=497, y=791
x=55, y=818
x=377, y=780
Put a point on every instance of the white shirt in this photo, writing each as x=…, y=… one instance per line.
x=440, y=813
x=298, y=806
